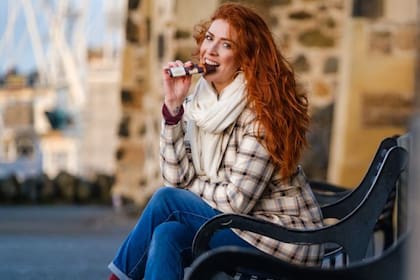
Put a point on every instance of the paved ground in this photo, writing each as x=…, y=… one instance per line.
x=59, y=242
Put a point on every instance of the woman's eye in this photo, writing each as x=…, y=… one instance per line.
x=208, y=37
x=227, y=45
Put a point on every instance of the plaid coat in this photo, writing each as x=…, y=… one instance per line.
x=252, y=185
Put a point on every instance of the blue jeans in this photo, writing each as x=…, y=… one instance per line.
x=159, y=246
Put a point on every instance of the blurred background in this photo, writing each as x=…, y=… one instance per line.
x=80, y=89
x=60, y=84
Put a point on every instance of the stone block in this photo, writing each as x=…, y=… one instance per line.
x=405, y=37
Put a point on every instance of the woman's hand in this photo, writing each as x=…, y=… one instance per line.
x=175, y=89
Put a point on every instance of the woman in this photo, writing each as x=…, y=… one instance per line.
x=232, y=146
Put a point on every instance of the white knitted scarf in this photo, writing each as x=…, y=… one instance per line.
x=209, y=115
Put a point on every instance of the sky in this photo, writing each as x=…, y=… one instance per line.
x=18, y=52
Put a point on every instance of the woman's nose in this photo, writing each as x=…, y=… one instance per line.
x=213, y=47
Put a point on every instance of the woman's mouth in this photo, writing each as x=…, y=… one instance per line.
x=211, y=62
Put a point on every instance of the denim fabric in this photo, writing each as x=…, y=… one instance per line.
x=159, y=246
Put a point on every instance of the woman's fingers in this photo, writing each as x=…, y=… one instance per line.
x=175, y=89
x=178, y=63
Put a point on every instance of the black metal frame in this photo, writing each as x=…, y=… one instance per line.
x=337, y=202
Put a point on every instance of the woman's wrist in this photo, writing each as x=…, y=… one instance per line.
x=172, y=116
x=173, y=107
x=175, y=110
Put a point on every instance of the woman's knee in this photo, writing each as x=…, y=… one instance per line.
x=165, y=193
x=163, y=201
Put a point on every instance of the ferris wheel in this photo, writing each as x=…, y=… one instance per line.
x=54, y=35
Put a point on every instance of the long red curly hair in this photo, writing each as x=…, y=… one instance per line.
x=281, y=112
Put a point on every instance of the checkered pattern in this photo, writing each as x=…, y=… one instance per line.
x=251, y=185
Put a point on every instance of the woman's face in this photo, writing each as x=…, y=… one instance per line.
x=218, y=48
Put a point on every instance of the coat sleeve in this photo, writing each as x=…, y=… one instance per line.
x=175, y=161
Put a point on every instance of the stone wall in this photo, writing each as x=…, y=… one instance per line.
x=377, y=85
x=309, y=32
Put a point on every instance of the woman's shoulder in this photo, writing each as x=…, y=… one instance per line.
x=247, y=120
x=247, y=116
